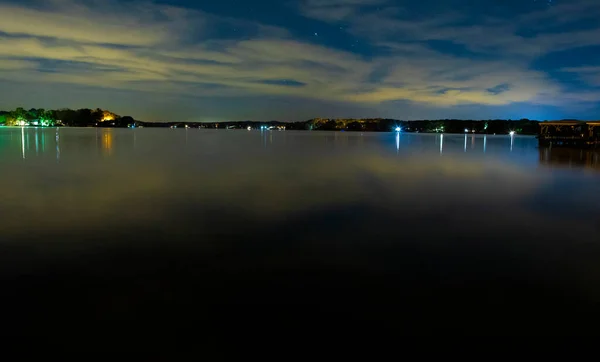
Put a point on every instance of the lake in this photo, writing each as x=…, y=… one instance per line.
x=229, y=229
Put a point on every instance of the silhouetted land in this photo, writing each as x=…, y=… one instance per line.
x=103, y=118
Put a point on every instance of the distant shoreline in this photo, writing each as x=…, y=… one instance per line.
x=258, y=128
x=86, y=117
x=527, y=127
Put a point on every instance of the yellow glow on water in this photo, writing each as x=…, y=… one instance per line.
x=107, y=141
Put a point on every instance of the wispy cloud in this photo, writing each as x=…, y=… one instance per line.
x=148, y=47
x=590, y=75
x=66, y=20
x=335, y=10
x=498, y=52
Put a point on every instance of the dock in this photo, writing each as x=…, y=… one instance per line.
x=579, y=134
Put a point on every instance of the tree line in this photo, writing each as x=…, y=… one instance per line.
x=102, y=118
x=63, y=117
x=497, y=126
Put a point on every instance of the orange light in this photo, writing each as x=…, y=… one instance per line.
x=108, y=116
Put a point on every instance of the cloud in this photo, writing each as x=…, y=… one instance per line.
x=590, y=75
x=91, y=24
x=335, y=10
x=211, y=66
x=488, y=34
x=151, y=48
x=443, y=80
x=12, y=65
x=426, y=47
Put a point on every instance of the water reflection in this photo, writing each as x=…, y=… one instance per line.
x=367, y=225
x=33, y=143
x=23, y=141
x=512, y=142
x=107, y=141
x=57, y=138
x=570, y=158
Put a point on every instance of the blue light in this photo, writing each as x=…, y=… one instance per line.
x=398, y=129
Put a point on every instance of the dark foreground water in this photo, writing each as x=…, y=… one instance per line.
x=232, y=232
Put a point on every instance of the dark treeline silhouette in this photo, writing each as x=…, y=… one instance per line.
x=523, y=126
x=102, y=118
x=64, y=117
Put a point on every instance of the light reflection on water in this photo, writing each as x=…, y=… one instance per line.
x=34, y=139
x=491, y=214
x=274, y=163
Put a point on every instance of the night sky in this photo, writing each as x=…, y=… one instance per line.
x=206, y=60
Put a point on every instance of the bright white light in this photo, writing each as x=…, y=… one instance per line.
x=466, y=130
x=249, y=128
x=398, y=129
x=512, y=133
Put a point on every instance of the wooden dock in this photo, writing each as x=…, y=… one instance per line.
x=579, y=134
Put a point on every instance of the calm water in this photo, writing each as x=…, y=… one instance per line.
x=229, y=229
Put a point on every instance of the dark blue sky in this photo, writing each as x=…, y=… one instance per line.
x=298, y=59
